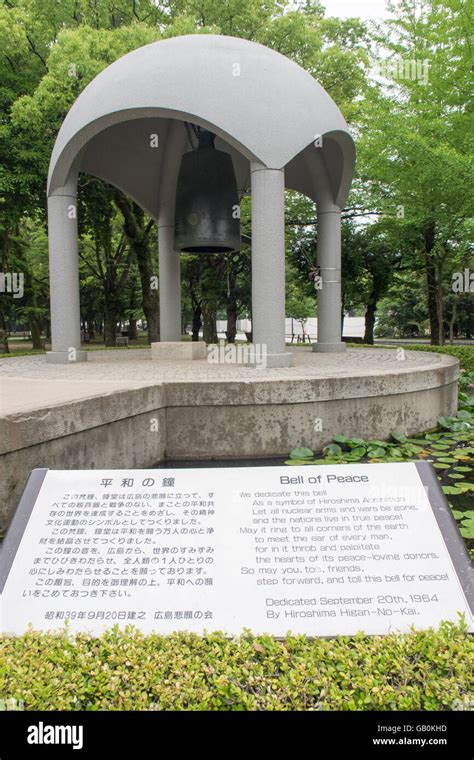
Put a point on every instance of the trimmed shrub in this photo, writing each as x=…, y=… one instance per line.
x=424, y=670
x=465, y=354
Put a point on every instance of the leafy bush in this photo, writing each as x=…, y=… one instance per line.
x=465, y=354
x=426, y=670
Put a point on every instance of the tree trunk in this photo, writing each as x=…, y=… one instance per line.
x=91, y=325
x=249, y=335
x=435, y=303
x=110, y=324
x=232, y=315
x=453, y=320
x=3, y=316
x=197, y=312
x=440, y=311
x=369, y=324
x=137, y=236
x=4, y=347
x=132, y=329
x=209, y=324
x=151, y=307
x=132, y=322
x=35, y=333
x=370, y=310
x=231, y=303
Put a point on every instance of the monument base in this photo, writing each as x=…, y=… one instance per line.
x=178, y=350
x=100, y=413
x=329, y=348
x=278, y=360
x=65, y=357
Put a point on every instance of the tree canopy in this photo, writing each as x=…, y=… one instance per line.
x=403, y=87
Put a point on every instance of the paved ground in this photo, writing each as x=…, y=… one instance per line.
x=28, y=382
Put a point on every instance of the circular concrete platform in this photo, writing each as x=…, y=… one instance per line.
x=122, y=409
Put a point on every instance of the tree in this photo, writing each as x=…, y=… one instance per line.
x=297, y=306
x=32, y=109
x=138, y=229
x=36, y=119
x=415, y=139
x=103, y=250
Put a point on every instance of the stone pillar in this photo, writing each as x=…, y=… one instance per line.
x=268, y=265
x=169, y=259
x=329, y=294
x=64, y=277
x=170, y=281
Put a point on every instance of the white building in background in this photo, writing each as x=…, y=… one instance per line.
x=354, y=327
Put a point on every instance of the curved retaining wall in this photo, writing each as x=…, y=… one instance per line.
x=260, y=413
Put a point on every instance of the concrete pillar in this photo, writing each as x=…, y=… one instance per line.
x=64, y=277
x=268, y=265
x=329, y=294
x=169, y=259
x=170, y=283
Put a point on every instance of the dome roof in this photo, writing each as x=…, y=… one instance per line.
x=263, y=106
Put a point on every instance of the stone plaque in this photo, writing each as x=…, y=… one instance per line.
x=320, y=550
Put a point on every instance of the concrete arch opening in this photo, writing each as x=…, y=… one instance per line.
x=281, y=129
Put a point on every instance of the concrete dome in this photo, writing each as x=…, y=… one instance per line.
x=262, y=106
x=281, y=129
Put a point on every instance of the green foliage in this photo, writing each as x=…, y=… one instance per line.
x=413, y=142
x=425, y=670
x=466, y=524
x=464, y=354
x=346, y=450
x=461, y=421
x=415, y=155
x=298, y=306
x=449, y=449
x=21, y=353
x=301, y=453
x=51, y=51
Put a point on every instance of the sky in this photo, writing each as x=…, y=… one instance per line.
x=355, y=8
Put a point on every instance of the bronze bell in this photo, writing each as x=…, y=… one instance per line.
x=207, y=217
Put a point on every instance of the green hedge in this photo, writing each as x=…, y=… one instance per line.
x=465, y=354
x=430, y=670
x=28, y=352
